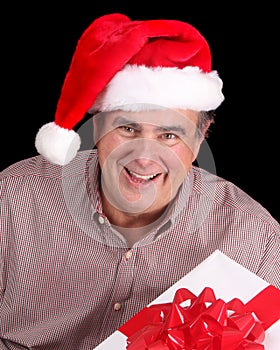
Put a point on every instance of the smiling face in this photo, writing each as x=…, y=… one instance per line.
x=144, y=157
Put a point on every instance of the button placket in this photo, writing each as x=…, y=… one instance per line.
x=128, y=254
x=124, y=280
x=101, y=219
x=117, y=306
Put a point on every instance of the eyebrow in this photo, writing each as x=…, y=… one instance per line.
x=171, y=128
x=124, y=121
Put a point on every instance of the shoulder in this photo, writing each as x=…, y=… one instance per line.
x=37, y=169
x=36, y=165
x=228, y=199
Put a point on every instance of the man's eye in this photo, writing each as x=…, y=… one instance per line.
x=168, y=136
x=127, y=129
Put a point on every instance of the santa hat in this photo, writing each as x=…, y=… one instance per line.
x=124, y=64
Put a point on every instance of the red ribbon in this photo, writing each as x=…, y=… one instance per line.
x=203, y=322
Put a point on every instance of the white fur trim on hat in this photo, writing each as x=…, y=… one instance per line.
x=57, y=144
x=169, y=87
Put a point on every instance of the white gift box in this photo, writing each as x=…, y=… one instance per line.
x=228, y=280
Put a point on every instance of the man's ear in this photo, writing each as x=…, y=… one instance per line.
x=97, y=122
x=205, y=129
x=94, y=131
x=200, y=139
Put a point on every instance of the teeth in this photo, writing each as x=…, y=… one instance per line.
x=142, y=177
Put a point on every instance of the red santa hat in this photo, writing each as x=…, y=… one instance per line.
x=123, y=64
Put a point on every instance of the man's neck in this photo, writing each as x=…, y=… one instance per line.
x=133, y=227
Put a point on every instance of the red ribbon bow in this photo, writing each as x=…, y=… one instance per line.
x=203, y=322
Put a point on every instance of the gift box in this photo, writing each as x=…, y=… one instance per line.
x=218, y=305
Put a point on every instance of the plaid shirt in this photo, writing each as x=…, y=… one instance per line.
x=68, y=280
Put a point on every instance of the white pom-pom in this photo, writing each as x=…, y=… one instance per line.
x=57, y=144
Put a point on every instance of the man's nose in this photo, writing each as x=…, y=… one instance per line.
x=147, y=152
x=148, y=147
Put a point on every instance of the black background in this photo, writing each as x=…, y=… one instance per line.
x=38, y=41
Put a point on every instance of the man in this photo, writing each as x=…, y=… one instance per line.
x=91, y=237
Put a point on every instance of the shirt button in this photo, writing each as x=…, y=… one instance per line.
x=128, y=254
x=117, y=306
x=101, y=219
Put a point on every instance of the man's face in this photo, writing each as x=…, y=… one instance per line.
x=144, y=156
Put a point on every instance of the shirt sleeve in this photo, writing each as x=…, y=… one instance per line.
x=3, y=240
x=270, y=264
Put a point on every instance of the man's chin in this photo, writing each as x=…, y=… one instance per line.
x=133, y=206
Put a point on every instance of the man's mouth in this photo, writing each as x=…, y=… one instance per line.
x=139, y=178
